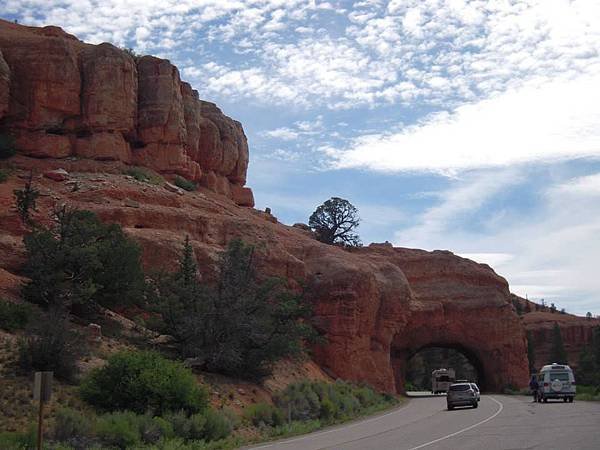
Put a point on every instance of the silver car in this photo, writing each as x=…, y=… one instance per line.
x=461, y=394
x=476, y=389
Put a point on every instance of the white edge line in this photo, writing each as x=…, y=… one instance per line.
x=464, y=429
x=320, y=433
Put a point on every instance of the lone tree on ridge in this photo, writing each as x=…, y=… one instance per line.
x=334, y=222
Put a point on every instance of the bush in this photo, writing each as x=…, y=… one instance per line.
x=143, y=381
x=51, y=346
x=7, y=146
x=328, y=402
x=185, y=184
x=69, y=424
x=4, y=174
x=144, y=175
x=13, y=316
x=22, y=440
x=119, y=429
x=217, y=426
x=188, y=428
x=261, y=414
x=82, y=262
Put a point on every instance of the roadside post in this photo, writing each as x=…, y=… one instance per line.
x=42, y=391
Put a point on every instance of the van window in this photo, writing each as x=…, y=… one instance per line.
x=443, y=378
x=562, y=376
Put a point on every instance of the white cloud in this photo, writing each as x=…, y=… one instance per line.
x=439, y=52
x=550, y=252
x=547, y=122
x=284, y=133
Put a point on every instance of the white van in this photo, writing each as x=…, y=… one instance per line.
x=556, y=381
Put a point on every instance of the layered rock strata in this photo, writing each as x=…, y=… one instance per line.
x=375, y=306
x=60, y=97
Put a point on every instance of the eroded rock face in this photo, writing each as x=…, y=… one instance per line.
x=4, y=86
x=576, y=332
x=60, y=97
x=374, y=306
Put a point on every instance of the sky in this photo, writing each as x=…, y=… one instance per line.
x=472, y=126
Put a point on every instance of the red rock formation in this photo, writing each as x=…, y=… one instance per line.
x=376, y=306
x=61, y=97
x=4, y=86
x=576, y=333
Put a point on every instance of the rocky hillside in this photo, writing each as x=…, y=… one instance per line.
x=539, y=323
x=96, y=110
x=62, y=98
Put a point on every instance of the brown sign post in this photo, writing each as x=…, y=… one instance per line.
x=42, y=391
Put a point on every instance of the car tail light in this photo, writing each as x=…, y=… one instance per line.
x=545, y=384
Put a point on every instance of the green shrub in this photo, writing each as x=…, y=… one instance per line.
x=264, y=414
x=82, y=262
x=217, y=426
x=185, y=184
x=69, y=424
x=7, y=146
x=13, y=316
x=144, y=175
x=328, y=402
x=51, y=345
x=4, y=174
x=17, y=440
x=187, y=427
x=143, y=381
x=119, y=429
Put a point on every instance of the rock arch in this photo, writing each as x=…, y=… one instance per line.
x=380, y=305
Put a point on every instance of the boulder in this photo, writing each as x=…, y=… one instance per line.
x=57, y=175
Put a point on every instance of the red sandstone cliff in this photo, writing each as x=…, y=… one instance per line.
x=60, y=97
x=92, y=109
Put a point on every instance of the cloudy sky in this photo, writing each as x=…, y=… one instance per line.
x=472, y=126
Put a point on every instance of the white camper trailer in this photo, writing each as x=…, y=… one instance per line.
x=441, y=379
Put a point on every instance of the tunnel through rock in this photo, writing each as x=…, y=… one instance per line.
x=418, y=368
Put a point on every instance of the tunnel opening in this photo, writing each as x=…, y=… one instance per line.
x=414, y=368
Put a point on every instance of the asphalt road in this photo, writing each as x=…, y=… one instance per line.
x=500, y=422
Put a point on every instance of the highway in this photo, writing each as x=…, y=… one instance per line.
x=500, y=423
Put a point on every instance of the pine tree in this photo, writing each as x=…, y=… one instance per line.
x=558, y=353
x=26, y=200
x=530, y=352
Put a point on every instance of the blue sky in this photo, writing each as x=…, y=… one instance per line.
x=472, y=126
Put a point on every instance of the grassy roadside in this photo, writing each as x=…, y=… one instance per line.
x=588, y=393
x=297, y=428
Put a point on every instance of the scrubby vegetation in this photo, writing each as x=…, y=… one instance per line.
x=128, y=430
x=4, y=174
x=26, y=201
x=7, y=146
x=144, y=175
x=14, y=316
x=143, y=381
x=588, y=370
x=329, y=402
x=185, y=184
x=239, y=326
x=51, y=345
x=82, y=262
